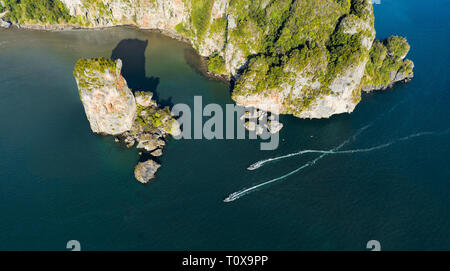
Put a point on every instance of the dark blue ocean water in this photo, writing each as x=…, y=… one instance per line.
x=59, y=181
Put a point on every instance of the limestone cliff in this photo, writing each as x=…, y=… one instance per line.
x=309, y=58
x=108, y=102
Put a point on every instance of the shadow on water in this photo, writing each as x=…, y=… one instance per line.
x=132, y=54
x=194, y=60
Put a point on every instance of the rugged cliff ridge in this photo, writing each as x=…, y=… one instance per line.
x=309, y=58
x=112, y=109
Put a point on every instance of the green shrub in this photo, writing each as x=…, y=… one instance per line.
x=216, y=64
x=36, y=11
x=397, y=46
x=182, y=30
x=201, y=15
x=358, y=7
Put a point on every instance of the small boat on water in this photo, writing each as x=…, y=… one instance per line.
x=231, y=197
x=255, y=166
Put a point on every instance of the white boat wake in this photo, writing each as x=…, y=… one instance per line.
x=234, y=196
x=382, y=146
x=336, y=150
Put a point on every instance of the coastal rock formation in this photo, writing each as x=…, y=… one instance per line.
x=155, y=14
x=151, y=127
x=144, y=99
x=108, y=102
x=307, y=58
x=259, y=121
x=145, y=171
x=4, y=24
x=112, y=109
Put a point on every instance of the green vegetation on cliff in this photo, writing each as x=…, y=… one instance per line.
x=86, y=71
x=344, y=49
x=216, y=64
x=397, y=46
x=386, y=60
x=310, y=22
x=257, y=23
x=318, y=41
x=153, y=117
x=201, y=15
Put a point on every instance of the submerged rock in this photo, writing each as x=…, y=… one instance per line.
x=145, y=171
x=259, y=121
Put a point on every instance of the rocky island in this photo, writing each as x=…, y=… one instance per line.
x=112, y=109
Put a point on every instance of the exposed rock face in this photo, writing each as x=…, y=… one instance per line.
x=144, y=98
x=108, y=102
x=4, y=24
x=342, y=98
x=156, y=14
x=112, y=109
x=157, y=152
x=145, y=171
x=152, y=125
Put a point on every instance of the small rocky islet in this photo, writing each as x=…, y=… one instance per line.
x=112, y=109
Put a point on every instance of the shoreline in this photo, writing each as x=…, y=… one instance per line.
x=203, y=68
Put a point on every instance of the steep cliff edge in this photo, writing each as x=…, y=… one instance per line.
x=112, y=109
x=309, y=58
x=108, y=102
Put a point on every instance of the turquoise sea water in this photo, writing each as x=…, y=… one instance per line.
x=59, y=181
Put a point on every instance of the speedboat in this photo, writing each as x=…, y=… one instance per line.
x=231, y=197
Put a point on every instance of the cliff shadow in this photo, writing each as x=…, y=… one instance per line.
x=132, y=54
